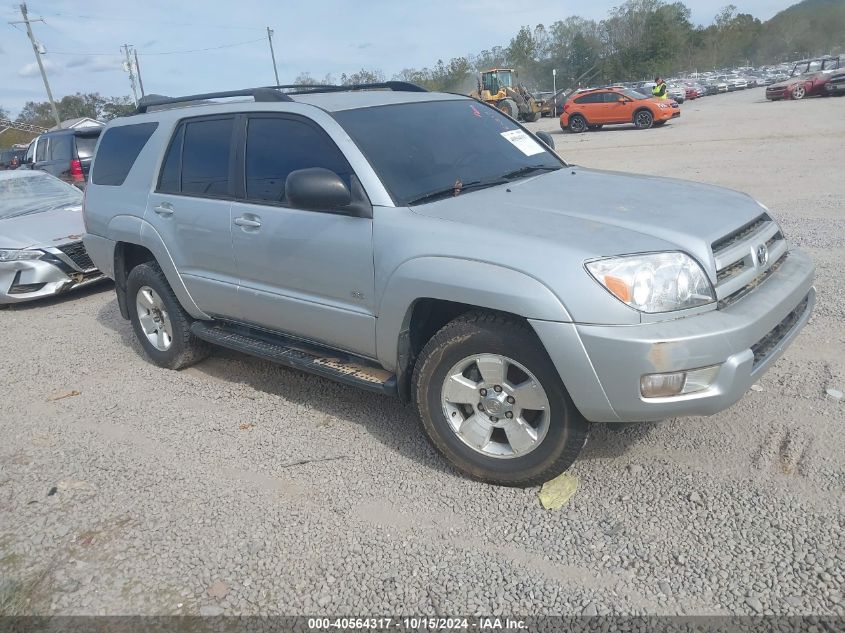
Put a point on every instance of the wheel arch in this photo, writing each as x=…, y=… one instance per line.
x=143, y=246
x=423, y=294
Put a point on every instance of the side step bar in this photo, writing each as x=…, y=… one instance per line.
x=335, y=365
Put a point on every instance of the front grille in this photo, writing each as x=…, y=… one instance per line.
x=764, y=347
x=740, y=264
x=78, y=255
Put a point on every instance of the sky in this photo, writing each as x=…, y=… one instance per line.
x=83, y=39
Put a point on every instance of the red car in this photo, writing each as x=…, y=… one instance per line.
x=808, y=79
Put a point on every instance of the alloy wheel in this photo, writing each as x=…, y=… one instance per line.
x=495, y=405
x=153, y=317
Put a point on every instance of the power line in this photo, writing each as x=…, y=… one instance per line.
x=164, y=22
x=193, y=50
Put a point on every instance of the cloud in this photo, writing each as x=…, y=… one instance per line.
x=95, y=65
x=31, y=69
x=361, y=47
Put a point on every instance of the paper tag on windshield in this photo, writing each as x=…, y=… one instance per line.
x=524, y=143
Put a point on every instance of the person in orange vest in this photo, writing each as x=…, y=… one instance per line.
x=660, y=90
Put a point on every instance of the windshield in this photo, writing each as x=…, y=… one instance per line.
x=420, y=148
x=35, y=193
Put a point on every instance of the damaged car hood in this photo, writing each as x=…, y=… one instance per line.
x=45, y=228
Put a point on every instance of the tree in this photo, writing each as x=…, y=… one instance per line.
x=362, y=77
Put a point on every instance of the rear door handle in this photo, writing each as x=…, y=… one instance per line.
x=165, y=208
x=247, y=222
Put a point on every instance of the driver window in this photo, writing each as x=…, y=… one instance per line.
x=277, y=146
x=41, y=150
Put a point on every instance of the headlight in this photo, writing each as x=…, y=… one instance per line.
x=9, y=255
x=657, y=282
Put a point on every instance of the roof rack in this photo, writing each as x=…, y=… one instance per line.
x=259, y=94
x=273, y=93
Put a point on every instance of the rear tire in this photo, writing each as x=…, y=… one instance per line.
x=161, y=324
x=526, y=446
x=577, y=124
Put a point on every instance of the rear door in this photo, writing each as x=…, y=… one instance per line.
x=302, y=272
x=190, y=210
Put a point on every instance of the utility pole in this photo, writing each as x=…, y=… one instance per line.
x=138, y=70
x=27, y=21
x=127, y=65
x=272, y=54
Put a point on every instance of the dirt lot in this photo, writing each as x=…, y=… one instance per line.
x=240, y=487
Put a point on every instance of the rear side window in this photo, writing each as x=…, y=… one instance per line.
x=169, y=181
x=60, y=147
x=85, y=146
x=205, y=157
x=277, y=146
x=118, y=151
x=595, y=97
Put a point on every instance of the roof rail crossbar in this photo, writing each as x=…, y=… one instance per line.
x=259, y=94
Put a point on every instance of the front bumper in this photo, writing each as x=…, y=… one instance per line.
x=601, y=366
x=53, y=274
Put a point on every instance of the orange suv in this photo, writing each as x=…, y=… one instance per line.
x=591, y=109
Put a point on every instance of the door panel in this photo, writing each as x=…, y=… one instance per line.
x=305, y=273
x=197, y=228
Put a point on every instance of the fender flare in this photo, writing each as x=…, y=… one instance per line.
x=134, y=230
x=464, y=281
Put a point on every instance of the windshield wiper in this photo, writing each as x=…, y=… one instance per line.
x=445, y=192
x=529, y=169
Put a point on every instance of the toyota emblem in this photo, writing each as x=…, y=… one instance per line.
x=762, y=255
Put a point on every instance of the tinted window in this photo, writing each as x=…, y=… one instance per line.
x=275, y=147
x=421, y=148
x=60, y=147
x=205, y=157
x=41, y=149
x=118, y=150
x=594, y=97
x=169, y=179
x=85, y=146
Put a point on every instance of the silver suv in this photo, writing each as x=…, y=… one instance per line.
x=427, y=246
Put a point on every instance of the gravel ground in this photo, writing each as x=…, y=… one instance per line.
x=153, y=492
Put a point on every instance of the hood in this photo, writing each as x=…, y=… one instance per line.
x=48, y=228
x=600, y=213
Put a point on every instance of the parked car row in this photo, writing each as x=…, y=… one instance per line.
x=811, y=77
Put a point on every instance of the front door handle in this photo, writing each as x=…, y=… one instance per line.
x=247, y=222
x=165, y=208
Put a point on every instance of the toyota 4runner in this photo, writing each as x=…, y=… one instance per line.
x=427, y=246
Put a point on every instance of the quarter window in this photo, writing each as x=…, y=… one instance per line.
x=118, y=151
x=60, y=147
x=277, y=146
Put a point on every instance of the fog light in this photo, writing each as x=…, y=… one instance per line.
x=678, y=383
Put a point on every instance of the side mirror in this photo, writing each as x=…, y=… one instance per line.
x=317, y=189
x=546, y=138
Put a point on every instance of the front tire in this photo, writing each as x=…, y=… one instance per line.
x=643, y=119
x=491, y=401
x=799, y=92
x=509, y=107
x=161, y=324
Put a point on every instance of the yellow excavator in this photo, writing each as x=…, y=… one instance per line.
x=498, y=87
